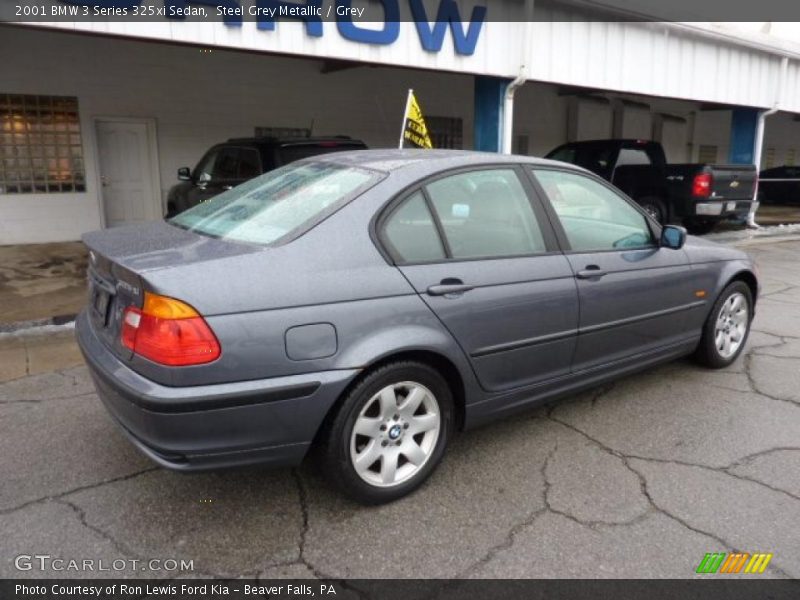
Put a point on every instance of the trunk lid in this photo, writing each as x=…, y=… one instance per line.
x=120, y=259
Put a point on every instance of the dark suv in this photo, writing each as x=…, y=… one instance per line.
x=233, y=162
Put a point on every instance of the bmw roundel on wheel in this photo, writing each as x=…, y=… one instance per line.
x=371, y=304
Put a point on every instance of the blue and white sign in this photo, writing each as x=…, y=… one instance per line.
x=432, y=23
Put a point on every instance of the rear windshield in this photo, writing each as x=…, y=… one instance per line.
x=293, y=152
x=279, y=203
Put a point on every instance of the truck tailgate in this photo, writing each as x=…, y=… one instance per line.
x=733, y=182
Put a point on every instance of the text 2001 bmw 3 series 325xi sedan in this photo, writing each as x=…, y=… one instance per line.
x=371, y=303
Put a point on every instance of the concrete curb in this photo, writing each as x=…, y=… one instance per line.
x=763, y=240
x=33, y=324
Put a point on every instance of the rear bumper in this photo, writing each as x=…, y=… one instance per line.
x=722, y=209
x=270, y=421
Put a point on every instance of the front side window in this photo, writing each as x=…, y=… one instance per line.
x=486, y=213
x=594, y=218
x=205, y=168
x=278, y=203
x=227, y=165
x=249, y=163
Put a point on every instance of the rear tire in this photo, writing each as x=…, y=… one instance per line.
x=727, y=327
x=389, y=433
x=655, y=208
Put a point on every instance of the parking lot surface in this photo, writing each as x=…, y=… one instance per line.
x=636, y=479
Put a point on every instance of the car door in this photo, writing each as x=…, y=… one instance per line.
x=635, y=297
x=483, y=257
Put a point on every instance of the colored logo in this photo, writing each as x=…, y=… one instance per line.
x=735, y=562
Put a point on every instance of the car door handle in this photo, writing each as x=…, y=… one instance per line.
x=591, y=272
x=449, y=286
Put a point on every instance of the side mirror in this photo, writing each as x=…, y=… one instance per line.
x=673, y=237
x=184, y=174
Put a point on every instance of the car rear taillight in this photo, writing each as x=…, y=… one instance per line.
x=169, y=332
x=701, y=185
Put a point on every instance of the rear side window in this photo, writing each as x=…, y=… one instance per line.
x=411, y=232
x=594, y=157
x=279, y=203
x=632, y=156
x=486, y=213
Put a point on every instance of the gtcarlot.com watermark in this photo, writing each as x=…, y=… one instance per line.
x=45, y=562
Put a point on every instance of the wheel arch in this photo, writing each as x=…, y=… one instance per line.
x=748, y=277
x=437, y=360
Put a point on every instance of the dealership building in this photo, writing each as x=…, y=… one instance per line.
x=96, y=117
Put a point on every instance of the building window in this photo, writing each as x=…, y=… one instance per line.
x=707, y=154
x=40, y=145
x=769, y=158
x=446, y=132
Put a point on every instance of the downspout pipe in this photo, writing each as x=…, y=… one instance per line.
x=517, y=82
x=759, y=141
x=508, y=110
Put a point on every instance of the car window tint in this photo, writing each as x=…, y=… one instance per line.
x=227, y=165
x=593, y=216
x=411, y=232
x=486, y=213
x=249, y=163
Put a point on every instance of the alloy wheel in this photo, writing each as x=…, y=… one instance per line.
x=731, y=326
x=395, y=434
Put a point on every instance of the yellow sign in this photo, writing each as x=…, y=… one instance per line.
x=415, y=131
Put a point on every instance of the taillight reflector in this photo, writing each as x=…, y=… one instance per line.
x=701, y=185
x=169, y=332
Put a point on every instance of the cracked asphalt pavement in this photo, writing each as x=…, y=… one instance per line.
x=636, y=479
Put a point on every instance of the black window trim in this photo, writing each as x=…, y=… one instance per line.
x=555, y=221
x=384, y=246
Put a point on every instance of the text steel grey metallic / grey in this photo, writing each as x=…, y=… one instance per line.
x=372, y=302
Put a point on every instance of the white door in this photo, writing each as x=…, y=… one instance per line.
x=127, y=172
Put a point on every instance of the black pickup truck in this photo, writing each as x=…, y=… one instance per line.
x=697, y=195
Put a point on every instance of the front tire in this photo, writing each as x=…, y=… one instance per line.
x=699, y=226
x=655, y=208
x=727, y=327
x=389, y=433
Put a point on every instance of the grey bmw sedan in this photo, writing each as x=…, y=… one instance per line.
x=369, y=304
